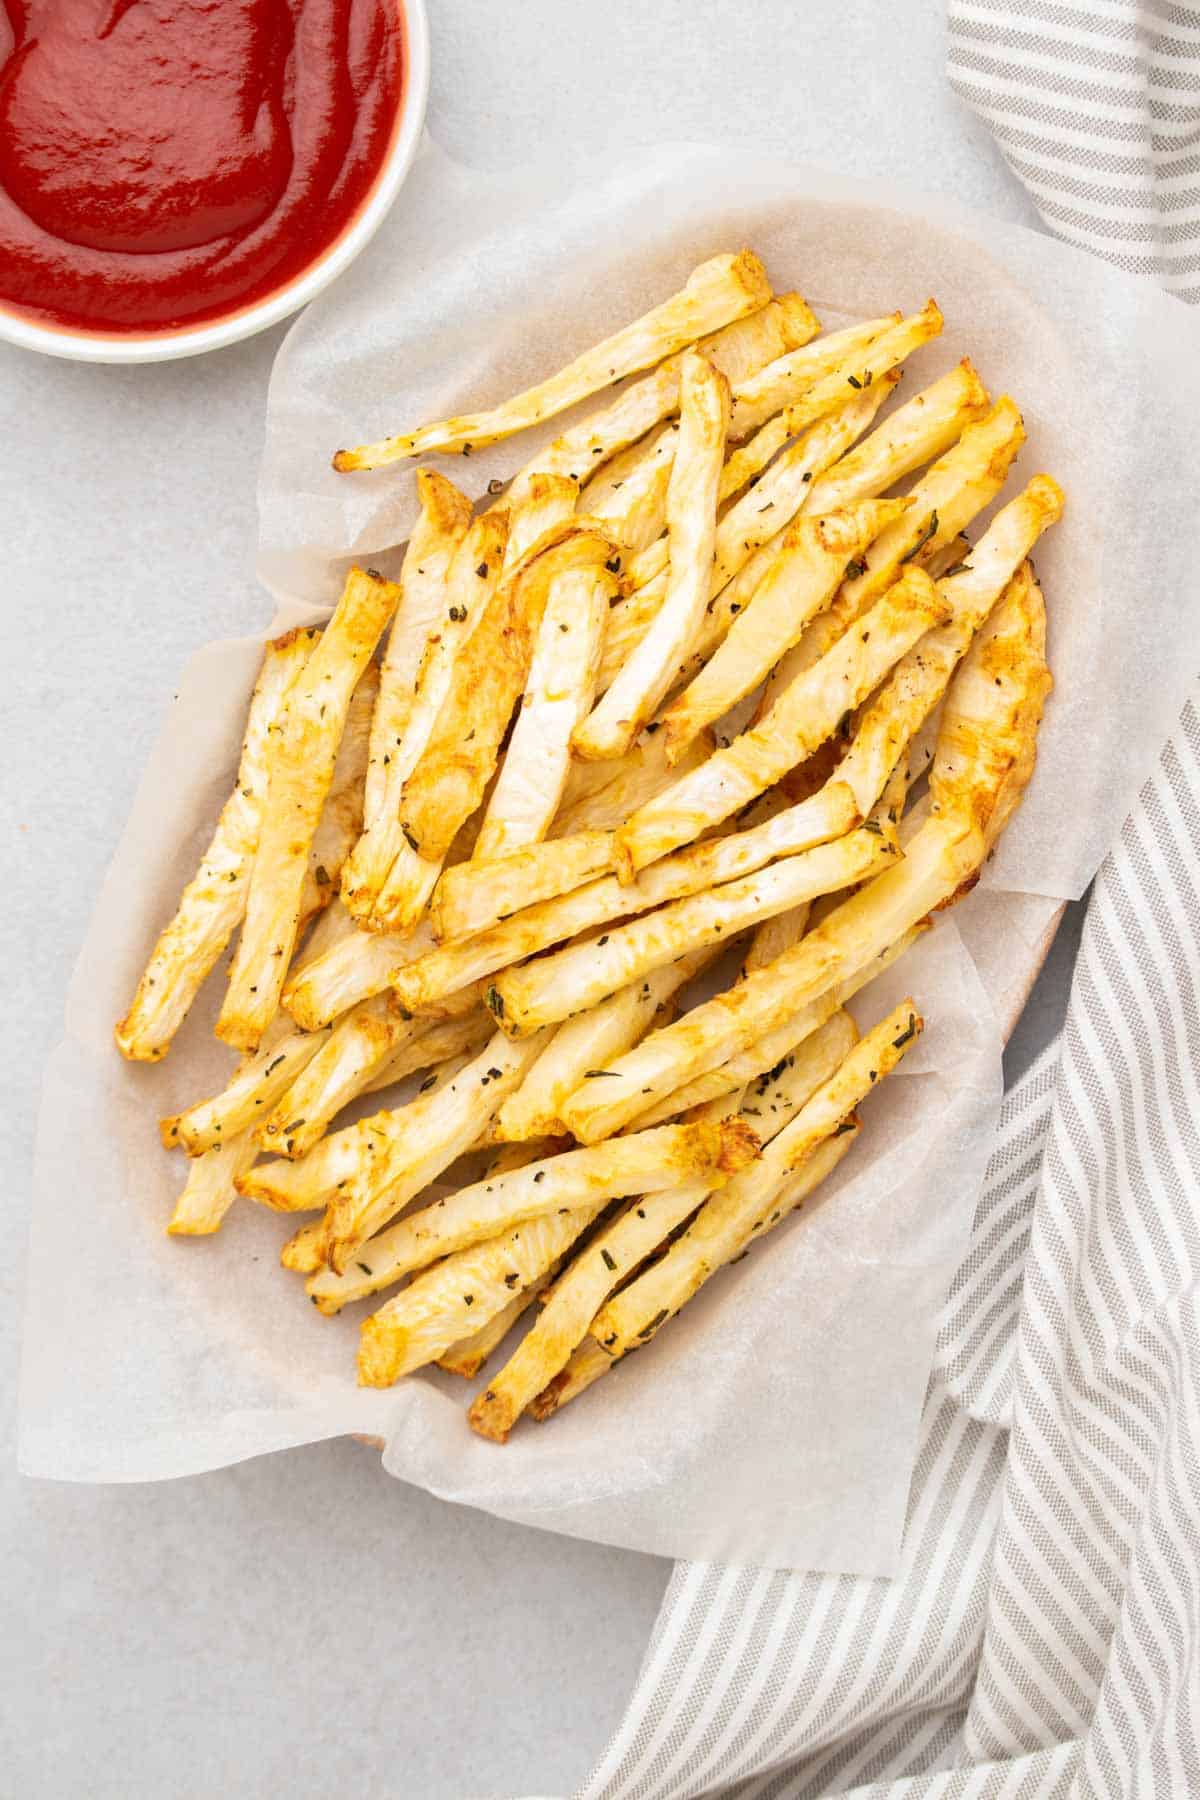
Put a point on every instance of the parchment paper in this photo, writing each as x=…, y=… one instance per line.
x=775, y=1421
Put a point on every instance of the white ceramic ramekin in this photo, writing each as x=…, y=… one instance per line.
x=164, y=346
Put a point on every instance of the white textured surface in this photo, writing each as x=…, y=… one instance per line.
x=303, y=1620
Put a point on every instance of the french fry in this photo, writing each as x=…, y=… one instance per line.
x=469, y=1355
x=424, y=982
x=361, y=1042
x=564, y=1320
x=613, y=1330
x=983, y=764
x=340, y=824
x=311, y=1180
x=418, y=1141
x=558, y=694
x=760, y=1060
x=352, y=969
x=748, y=1205
x=599, y=795
x=214, y=901
x=987, y=742
x=919, y=679
x=211, y=1186
x=917, y=432
x=737, y=350
x=630, y=1165
x=716, y=293
x=614, y=1255
x=629, y=497
x=748, y=538
x=460, y=755
x=588, y=1042
x=757, y=397
x=585, y=1365
x=805, y=714
x=473, y=896
x=553, y=987
x=945, y=853
x=466, y=594
x=691, y=527
x=545, y=503
x=300, y=773
x=883, y=354
x=441, y=1305
x=778, y=494
x=442, y=524
x=947, y=497
x=944, y=501
x=304, y=1251
x=434, y=1044
x=802, y=580
x=774, y=936
x=257, y=1084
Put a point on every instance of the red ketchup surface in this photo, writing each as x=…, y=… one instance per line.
x=168, y=162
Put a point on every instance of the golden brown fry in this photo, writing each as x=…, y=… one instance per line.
x=913, y=435
x=748, y=1205
x=423, y=983
x=918, y=682
x=691, y=527
x=466, y=593
x=441, y=1305
x=802, y=580
x=781, y=383
x=737, y=350
x=301, y=770
x=805, y=714
x=211, y=1186
x=749, y=536
x=214, y=900
x=340, y=824
x=407, y=1148
x=588, y=1042
x=564, y=1320
x=585, y=1365
x=631, y=1165
x=311, y=1180
x=599, y=796
x=256, y=1085
x=759, y=1061
x=552, y=988
x=441, y=526
x=947, y=497
x=361, y=1042
x=469, y=1355
x=985, y=761
x=717, y=292
x=558, y=694
x=616, y=1254
x=352, y=969
x=473, y=896
x=862, y=367
x=450, y=779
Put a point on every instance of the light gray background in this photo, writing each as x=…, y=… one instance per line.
x=303, y=1622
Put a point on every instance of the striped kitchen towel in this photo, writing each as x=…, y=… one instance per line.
x=1096, y=107
x=1042, y=1638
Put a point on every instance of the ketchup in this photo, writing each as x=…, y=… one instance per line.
x=167, y=162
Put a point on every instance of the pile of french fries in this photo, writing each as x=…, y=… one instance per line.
x=713, y=689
